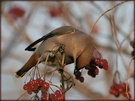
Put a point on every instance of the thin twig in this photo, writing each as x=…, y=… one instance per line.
x=114, y=32
x=56, y=86
x=127, y=36
x=21, y=95
x=101, y=10
x=52, y=73
x=105, y=13
x=129, y=70
x=46, y=65
x=128, y=74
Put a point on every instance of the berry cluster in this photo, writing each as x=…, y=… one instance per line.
x=117, y=89
x=78, y=76
x=56, y=96
x=94, y=63
x=92, y=68
x=36, y=85
x=101, y=63
x=40, y=85
x=132, y=43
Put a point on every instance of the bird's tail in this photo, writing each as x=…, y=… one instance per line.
x=29, y=64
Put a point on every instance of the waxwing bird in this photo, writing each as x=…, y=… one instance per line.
x=78, y=48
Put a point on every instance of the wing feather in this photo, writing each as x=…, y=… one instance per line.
x=57, y=32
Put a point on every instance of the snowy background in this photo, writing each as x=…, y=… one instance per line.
x=40, y=18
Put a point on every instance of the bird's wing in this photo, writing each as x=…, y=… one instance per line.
x=57, y=32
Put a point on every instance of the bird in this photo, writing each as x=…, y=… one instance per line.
x=78, y=49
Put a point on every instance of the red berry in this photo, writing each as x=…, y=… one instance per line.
x=125, y=86
x=127, y=94
x=91, y=74
x=101, y=62
x=29, y=91
x=112, y=87
x=117, y=86
x=43, y=89
x=53, y=97
x=117, y=94
x=132, y=43
x=16, y=12
x=114, y=91
x=97, y=61
x=55, y=11
x=120, y=90
x=57, y=93
x=25, y=87
x=35, y=87
x=46, y=85
x=78, y=73
x=111, y=91
x=92, y=67
x=105, y=61
x=133, y=53
x=96, y=71
x=30, y=86
x=61, y=97
x=105, y=66
x=40, y=82
x=44, y=97
x=81, y=79
x=32, y=82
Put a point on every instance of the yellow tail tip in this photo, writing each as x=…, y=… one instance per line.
x=17, y=76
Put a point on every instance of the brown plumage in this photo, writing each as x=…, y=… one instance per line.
x=78, y=48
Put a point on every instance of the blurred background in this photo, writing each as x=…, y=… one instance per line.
x=23, y=22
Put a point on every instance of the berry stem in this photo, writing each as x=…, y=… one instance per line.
x=128, y=74
x=52, y=74
x=55, y=86
x=62, y=84
x=116, y=75
x=36, y=97
x=98, y=52
x=46, y=64
x=129, y=69
x=105, y=13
